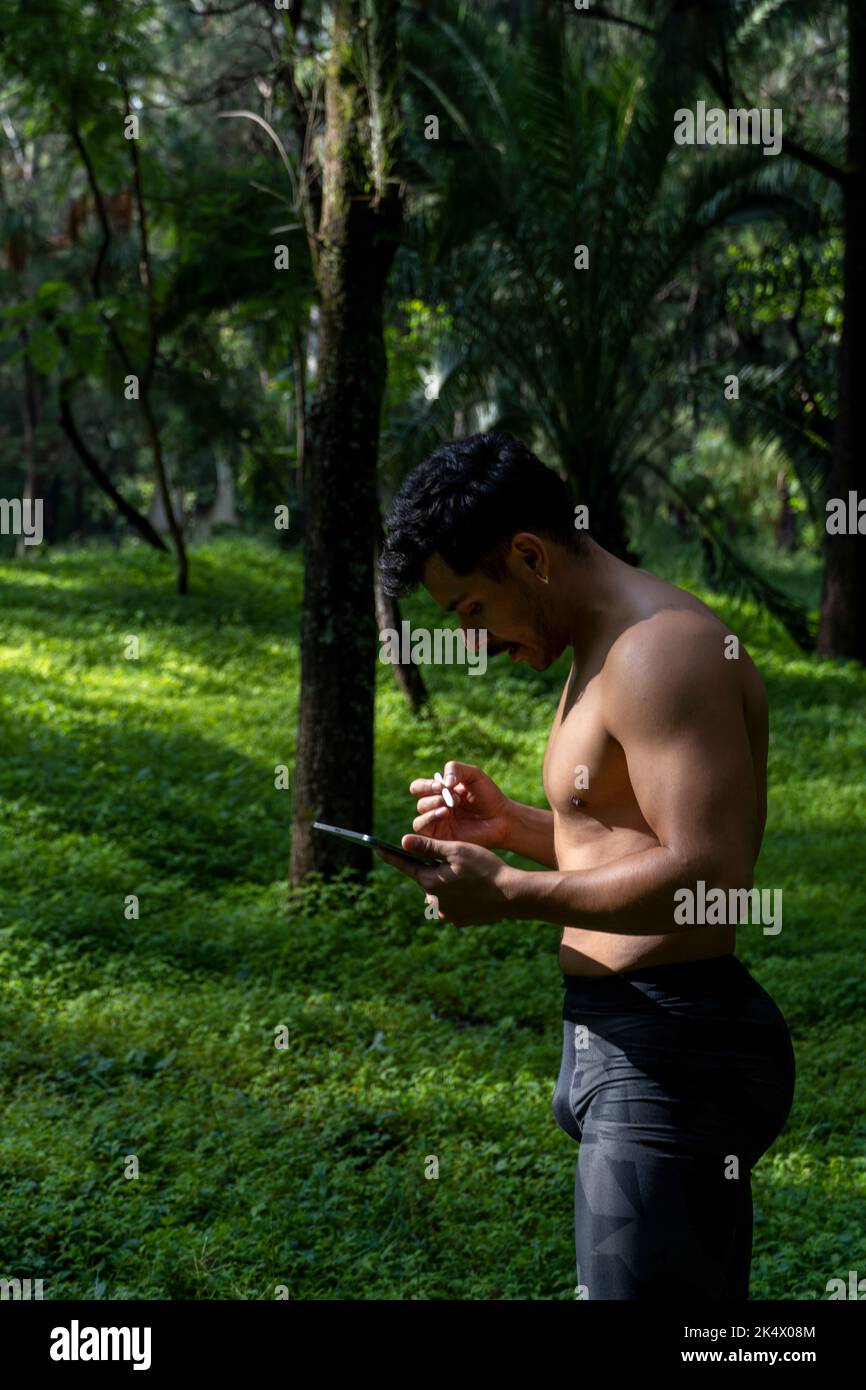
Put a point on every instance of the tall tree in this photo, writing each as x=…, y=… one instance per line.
x=353, y=245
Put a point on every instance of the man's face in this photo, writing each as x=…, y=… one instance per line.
x=512, y=609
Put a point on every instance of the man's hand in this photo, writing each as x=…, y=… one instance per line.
x=480, y=813
x=470, y=886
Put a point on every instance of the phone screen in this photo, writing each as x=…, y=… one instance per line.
x=372, y=842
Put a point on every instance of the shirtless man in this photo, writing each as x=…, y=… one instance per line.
x=677, y=1069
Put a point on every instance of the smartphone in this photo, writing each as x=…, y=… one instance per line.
x=372, y=842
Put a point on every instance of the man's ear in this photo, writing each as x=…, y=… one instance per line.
x=532, y=552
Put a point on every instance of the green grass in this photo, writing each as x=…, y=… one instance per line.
x=305, y=1166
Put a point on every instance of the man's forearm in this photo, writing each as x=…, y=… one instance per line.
x=531, y=833
x=633, y=896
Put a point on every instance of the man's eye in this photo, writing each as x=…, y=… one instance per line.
x=475, y=608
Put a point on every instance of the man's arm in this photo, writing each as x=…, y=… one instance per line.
x=673, y=702
x=530, y=833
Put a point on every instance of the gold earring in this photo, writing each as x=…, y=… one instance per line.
x=544, y=579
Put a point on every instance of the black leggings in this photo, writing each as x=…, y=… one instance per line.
x=675, y=1079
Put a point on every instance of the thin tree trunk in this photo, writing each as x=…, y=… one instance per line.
x=102, y=480
x=785, y=528
x=145, y=377
x=408, y=677
x=77, y=508
x=36, y=478
x=174, y=524
x=56, y=492
x=606, y=521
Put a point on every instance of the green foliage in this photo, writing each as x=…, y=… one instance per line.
x=155, y=1037
x=215, y=207
x=543, y=148
x=556, y=130
x=791, y=280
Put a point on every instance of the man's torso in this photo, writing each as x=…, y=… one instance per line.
x=596, y=817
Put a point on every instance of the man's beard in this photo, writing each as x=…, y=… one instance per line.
x=543, y=637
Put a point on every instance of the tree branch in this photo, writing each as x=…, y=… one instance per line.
x=597, y=12
x=135, y=518
x=96, y=273
x=146, y=275
x=790, y=147
x=230, y=9
x=721, y=82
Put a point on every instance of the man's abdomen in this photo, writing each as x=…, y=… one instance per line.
x=583, y=952
x=586, y=952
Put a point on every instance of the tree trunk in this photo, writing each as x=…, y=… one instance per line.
x=223, y=512
x=175, y=522
x=785, y=527
x=609, y=530
x=56, y=493
x=408, y=677
x=842, y=630
x=356, y=243
x=101, y=478
x=37, y=477
x=145, y=377
x=78, y=511
x=606, y=520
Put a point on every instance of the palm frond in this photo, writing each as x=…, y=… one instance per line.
x=730, y=572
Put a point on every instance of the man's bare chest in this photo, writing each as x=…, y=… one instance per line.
x=585, y=770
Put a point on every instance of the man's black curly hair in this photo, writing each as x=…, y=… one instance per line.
x=466, y=501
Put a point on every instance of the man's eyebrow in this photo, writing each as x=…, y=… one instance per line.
x=454, y=602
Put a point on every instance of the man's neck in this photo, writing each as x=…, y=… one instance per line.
x=593, y=596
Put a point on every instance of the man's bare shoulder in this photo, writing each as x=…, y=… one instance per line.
x=690, y=633
x=670, y=659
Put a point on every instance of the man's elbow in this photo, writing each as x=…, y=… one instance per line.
x=714, y=866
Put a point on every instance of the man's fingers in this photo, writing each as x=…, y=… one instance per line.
x=426, y=875
x=426, y=823
x=452, y=774
x=429, y=849
x=424, y=786
x=398, y=862
x=455, y=772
